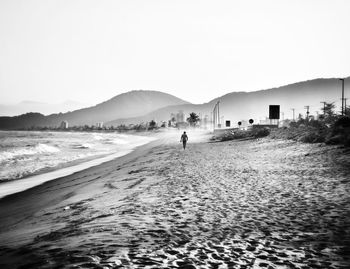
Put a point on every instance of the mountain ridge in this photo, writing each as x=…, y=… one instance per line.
x=129, y=104
x=233, y=105
x=142, y=105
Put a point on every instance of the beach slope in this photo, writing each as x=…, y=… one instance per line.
x=239, y=204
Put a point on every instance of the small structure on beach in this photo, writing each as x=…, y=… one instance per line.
x=180, y=117
x=99, y=125
x=64, y=125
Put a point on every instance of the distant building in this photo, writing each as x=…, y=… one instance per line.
x=172, y=121
x=180, y=117
x=99, y=125
x=205, y=121
x=64, y=124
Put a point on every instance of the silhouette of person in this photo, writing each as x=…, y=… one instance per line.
x=184, y=139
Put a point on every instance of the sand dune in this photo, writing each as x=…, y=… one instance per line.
x=244, y=204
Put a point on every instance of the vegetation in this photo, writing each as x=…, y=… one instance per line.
x=314, y=132
x=329, y=114
x=152, y=125
x=329, y=128
x=193, y=119
x=242, y=134
x=141, y=127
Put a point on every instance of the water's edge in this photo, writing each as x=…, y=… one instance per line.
x=11, y=187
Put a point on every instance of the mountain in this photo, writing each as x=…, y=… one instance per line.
x=238, y=106
x=130, y=104
x=143, y=106
x=43, y=108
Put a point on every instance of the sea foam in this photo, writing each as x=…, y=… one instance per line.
x=25, y=154
x=20, y=152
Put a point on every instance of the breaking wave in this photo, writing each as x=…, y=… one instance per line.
x=23, y=154
x=32, y=150
x=83, y=146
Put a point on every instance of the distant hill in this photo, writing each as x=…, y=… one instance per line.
x=130, y=104
x=237, y=106
x=42, y=108
x=143, y=106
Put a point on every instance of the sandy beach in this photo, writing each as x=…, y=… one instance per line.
x=237, y=204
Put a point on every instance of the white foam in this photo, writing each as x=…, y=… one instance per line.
x=85, y=146
x=42, y=148
x=38, y=149
x=15, y=186
x=119, y=141
x=97, y=137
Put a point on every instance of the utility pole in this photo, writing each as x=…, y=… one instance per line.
x=293, y=113
x=345, y=105
x=307, y=112
x=216, y=114
x=214, y=117
x=218, y=103
x=324, y=107
x=342, y=97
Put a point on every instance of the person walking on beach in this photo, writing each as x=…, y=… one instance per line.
x=184, y=139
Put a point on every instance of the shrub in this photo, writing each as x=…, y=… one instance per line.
x=261, y=132
x=316, y=124
x=343, y=122
x=253, y=133
x=312, y=137
x=340, y=132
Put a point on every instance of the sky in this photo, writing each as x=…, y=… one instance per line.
x=90, y=51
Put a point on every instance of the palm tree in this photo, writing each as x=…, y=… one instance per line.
x=193, y=119
x=152, y=125
x=328, y=112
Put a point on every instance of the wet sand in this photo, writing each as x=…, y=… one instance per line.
x=242, y=204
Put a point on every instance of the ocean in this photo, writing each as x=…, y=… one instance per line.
x=24, y=154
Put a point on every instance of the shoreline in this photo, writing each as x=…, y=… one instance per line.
x=238, y=203
x=17, y=207
x=11, y=186
x=23, y=184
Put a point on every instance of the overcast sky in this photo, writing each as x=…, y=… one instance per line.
x=90, y=51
